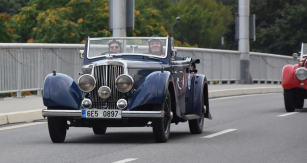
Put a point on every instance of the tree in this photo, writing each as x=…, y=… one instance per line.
x=6, y=33
x=148, y=23
x=12, y=7
x=279, y=26
x=202, y=22
x=71, y=21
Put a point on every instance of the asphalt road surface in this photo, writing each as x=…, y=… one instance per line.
x=247, y=129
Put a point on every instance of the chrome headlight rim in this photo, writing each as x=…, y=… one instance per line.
x=304, y=73
x=120, y=76
x=94, y=85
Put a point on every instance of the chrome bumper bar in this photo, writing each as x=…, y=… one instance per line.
x=125, y=114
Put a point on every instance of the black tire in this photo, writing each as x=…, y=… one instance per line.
x=196, y=125
x=161, y=126
x=289, y=100
x=99, y=130
x=299, y=103
x=57, y=129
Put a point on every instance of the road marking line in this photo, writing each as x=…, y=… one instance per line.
x=283, y=115
x=22, y=125
x=126, y=160
x=219, y=133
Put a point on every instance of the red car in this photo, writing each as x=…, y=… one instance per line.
x=294, y=84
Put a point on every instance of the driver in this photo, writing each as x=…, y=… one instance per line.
x=155, y=46
x=115, y=46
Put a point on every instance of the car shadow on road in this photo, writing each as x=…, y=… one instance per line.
x=129, y=138
x=304, y=110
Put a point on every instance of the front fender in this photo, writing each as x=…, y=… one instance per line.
x=152, y=90
x=288, y=76
x=61, y=90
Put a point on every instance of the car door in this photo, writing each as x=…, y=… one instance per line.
x=181, y=75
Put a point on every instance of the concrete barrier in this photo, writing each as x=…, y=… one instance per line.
x=244, y=91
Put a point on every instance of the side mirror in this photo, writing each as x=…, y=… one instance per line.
x=174, y=54
x=197, y=61
x=81, y=53
x=294, y=55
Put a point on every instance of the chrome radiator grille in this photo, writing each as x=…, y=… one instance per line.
x=105, y=75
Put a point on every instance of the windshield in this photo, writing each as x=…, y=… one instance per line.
x=145, y=46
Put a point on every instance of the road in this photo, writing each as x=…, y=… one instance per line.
x=250, y=128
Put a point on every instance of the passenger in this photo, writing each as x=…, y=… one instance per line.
x=115, y=46
x=155, y=46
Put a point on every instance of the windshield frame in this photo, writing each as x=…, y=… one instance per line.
x=127, y=54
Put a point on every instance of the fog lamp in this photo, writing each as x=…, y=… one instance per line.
x=121, y=104
x=86, y=103
x=104, y=92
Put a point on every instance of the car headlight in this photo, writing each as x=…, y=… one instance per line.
x=86, y=83
x=301, y=73
x=124, y=83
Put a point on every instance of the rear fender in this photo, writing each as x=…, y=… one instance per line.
x=199, y=91
x=61, y=90
x=152, y=90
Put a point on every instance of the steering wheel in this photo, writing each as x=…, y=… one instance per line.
x=108, y=52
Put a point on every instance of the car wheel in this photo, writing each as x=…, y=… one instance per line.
x=99, y=130
x=299, y=103
x=196, y=125
x=289, y=100
x=161, y=126
x=57, y=129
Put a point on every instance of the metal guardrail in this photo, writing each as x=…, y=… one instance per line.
x=23, y=67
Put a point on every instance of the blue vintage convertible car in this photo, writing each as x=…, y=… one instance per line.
x=126, y=83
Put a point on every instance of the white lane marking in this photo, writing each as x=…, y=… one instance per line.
x=219, y=133
x=283, y=115
x=22, y=125
x=126, y=160
x=222, y=98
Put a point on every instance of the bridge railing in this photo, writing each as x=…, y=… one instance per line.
x=23, y=67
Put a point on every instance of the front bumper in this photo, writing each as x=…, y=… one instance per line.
x=125, y=114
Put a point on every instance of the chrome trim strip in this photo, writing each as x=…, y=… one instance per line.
x=183, y=65
x=113, y=62
x=143, y=114
x=61, y=113
x=125, y=114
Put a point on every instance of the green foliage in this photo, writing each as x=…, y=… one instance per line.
x=228, y=2
x=280, y=26
x=12, y=7
x=6, y=33
x=71, y=21
x=147, y=23
x=202, y=22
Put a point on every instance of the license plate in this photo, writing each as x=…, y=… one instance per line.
x=101, y=113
